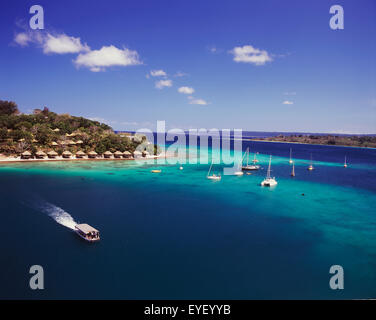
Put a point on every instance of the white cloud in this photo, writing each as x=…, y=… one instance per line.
x=290, y=93
x=249, y=54
x=186, y=90
x=201, y=102
x=180, y=74
x=107, y=56
x=158, y=73
x=287, y=102
x=163, y=83
x=22, y=39
x=62, y=44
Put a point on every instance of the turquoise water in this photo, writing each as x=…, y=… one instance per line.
x=179, y=235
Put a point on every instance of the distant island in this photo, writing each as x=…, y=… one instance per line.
x=365, y=141
x=46, y=134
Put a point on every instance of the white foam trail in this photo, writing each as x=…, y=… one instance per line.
x=58, y=214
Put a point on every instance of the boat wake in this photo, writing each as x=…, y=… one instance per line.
x=59, y=215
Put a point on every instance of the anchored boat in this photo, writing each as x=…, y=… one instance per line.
x=249, y=166
x=269, y=181
x=213, y=176
x=310, y=167
x=87, y=232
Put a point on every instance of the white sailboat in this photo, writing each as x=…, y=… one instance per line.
x=310, y=167
x=213, y=176
x=290, y=161
x=255, y=159
x=249, y=166
x=345, y=164
x=269, y=181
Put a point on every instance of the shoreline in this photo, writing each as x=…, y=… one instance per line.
x=310, y=144
x=19, y=160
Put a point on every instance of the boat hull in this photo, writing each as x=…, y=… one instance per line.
x=269, y=183
x=250, y=168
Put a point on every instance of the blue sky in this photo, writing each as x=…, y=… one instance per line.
x=124, y=62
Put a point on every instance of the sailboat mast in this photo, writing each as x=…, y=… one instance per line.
x=270, y=162
x=247, y=156
x=210, y=168
x=290, y=154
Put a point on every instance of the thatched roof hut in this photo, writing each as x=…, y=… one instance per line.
x=52, y=154
x=53, y=143
x=25, y=155
x=79, y=142
x=40, y=154
x=127, y=154
x=80, y=154
x=107, y=154
x=67, y=154
x=56, y=130
x=118, y=154
x=71, y=143
x=92, y=154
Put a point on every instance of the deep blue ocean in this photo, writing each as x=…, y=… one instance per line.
x=178, y=235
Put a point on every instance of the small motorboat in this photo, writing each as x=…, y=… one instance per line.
x=156, y=171
x=87, y=232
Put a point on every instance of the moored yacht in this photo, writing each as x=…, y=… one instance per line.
x=213, y=176
x=269, y=181
x=248, y=167
x=310, y=167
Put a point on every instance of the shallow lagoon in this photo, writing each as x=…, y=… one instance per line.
x=178, y=235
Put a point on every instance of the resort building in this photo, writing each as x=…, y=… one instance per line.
x=71, y=143
x=53, y=143
x=52, y=154
x=92, y=154
x=26, y=155
x=127, y=155
x=80, y=154
x=40, y=155
x=79, y=142
x=67, y=154
x=107, y=154
x=118, y=154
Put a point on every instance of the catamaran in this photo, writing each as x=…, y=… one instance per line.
x=345, y=164
x=269, y=181
x=87, y=232
x=213, y=176
x=249, y=166
x=310, y=167
x=290, y=156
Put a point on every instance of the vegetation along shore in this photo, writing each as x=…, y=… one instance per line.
x=363, y=141
x=46, y=135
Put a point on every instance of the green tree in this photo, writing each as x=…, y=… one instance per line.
x=8, y=107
